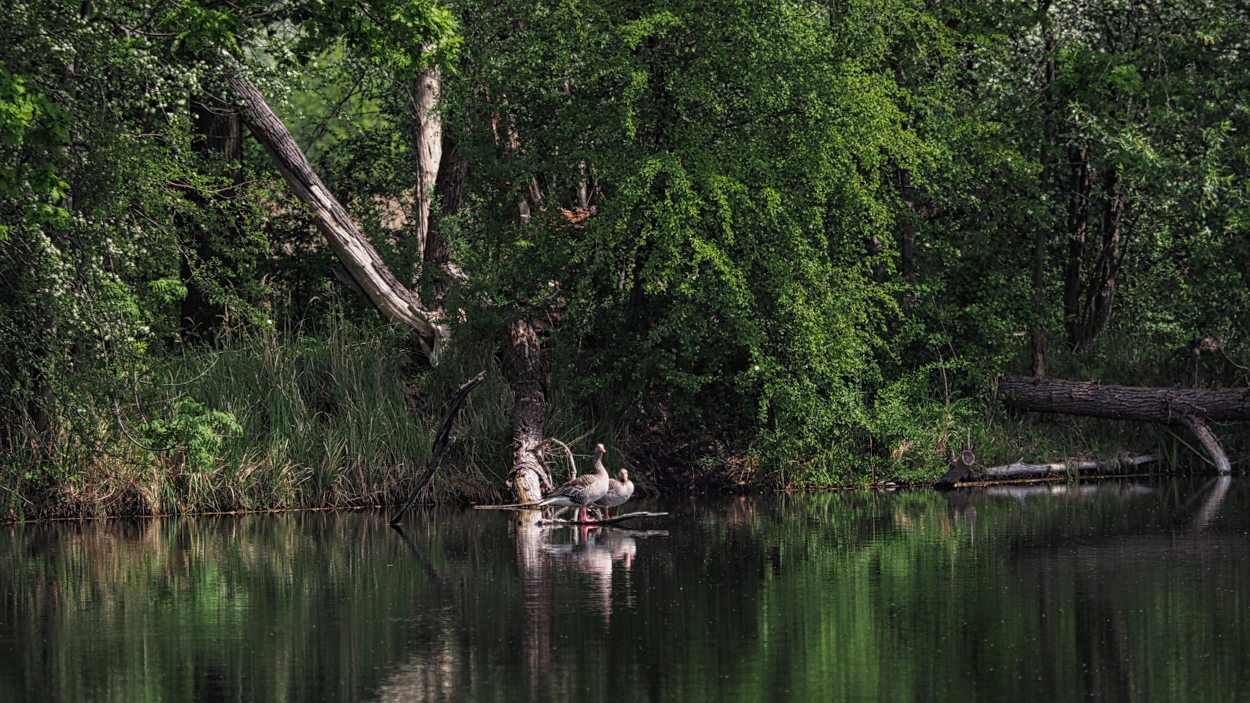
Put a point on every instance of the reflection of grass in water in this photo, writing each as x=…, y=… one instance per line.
x=850, y=596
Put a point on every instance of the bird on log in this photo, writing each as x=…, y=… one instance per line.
x=582, y=491
x=619, y=492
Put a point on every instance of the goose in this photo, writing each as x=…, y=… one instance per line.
x=582, y=491
x=618, y=493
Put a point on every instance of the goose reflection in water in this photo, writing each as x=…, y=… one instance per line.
x=593, y=553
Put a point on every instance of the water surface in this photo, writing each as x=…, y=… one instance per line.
x=1125, y=591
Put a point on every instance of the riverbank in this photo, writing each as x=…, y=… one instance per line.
x=288, y=420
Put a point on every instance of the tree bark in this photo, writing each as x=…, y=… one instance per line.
x=522, y=361
x=453, y=172
x=1078, y=221
x=218, y=133
x=396, y=303
x=1103, y=280
x=1193, y=408
x=1091, y=399
x=428, y=144
x=1209, y=442
x=1020, y=470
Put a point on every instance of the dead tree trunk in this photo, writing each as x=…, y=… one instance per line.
x=396, y=303
x=1193, y=408
x=1021, y=470
x=523, y=366
x=442, y=442
x=428, y=144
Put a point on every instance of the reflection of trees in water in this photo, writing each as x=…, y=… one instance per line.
x=1104, y=591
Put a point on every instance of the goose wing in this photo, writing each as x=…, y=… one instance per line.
x=583, y=490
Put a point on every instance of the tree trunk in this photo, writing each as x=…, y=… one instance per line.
x=1078, y=221
x=1103, y=280
x=523, y=366
x=428, y=144
x=396, y=303
x=1193, y=408
x=1037, y=333
x=1021, y=470
x=453, y=171
x=1209, y=442
x=909, y=228
x=218, y=133
x=1091, y=399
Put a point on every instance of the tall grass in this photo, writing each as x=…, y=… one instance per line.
x=341, y=413
x=336, y=414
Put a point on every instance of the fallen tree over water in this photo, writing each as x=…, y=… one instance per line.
x=1194, y=408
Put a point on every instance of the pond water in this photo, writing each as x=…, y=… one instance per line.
x=1116, y=590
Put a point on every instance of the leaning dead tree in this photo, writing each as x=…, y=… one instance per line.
x=396, y=303
x=522, y=360
x=1194, y=408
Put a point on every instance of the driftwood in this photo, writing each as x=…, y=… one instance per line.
x=1070, y=468
x=442, y=442
x=1192, y=407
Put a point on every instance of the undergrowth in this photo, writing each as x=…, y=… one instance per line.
x=342, y=414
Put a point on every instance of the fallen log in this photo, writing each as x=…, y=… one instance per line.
x=1069, y=468
x=1092, y=399
x=1192, y=407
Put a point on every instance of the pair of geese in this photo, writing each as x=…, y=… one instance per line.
x=592, y=490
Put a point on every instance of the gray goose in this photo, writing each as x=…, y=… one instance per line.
x=618, y=493
x=581, y=491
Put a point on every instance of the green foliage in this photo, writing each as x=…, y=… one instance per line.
x=400, y=36
x=192, y=429
x=31, y=128
x=726, y=273
x=810, y=239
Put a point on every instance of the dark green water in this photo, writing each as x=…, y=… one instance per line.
x=1117, y=591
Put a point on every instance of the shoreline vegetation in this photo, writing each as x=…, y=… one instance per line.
x=344, y=420
x=247, y=253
